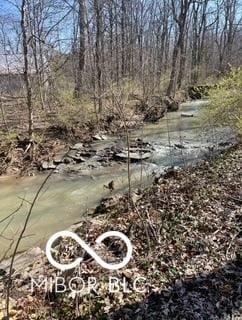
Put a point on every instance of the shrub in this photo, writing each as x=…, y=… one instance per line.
x=73, y=112
x=225, y=107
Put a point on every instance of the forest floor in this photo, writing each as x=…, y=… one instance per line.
x=185, y=230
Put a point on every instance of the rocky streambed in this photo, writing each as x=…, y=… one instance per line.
x=86, y=173
x=85, y=157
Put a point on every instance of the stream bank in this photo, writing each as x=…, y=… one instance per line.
x=74, y=191
x=185, y=231
x=52, y=138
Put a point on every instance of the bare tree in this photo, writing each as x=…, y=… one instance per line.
x=27, y=70
x=98, y=17
x=79, y=46
x=180, y=12
x=81, y=49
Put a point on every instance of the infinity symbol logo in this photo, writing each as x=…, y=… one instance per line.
x=89, y=250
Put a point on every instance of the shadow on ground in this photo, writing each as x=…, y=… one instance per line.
x=217, y=295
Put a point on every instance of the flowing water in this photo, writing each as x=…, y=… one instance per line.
x=66, y=200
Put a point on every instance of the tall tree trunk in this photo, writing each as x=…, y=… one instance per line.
x=195, y=38
x=123, y=15
x=81, y=49
x=183, y=7
x=161, y=50
x=116, y=44
x=111, y=22
x=182, y=63
x=98, y=15
x=24, y=28
x=171, y=87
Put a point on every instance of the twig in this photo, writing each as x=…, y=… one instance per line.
x=18, y=242
x=8, y=249
x=13, y=213
x=230, y=244
x=3, y=116
x=5, y=228
x=25, y=200
x=236, y=200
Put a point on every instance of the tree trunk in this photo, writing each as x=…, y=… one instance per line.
x=24, y=26
x=171, y=87
x=98, y=15
x=123, y=14
x=179, y=47
x=81, y=49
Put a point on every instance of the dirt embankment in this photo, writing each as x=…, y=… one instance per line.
x=185, y=232
x=52, y=138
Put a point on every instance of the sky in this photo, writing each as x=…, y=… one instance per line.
x=6, y=7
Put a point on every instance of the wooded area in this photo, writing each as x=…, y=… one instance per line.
x=83, y=87
x=80, y=48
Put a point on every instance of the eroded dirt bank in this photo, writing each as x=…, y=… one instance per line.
x=52, y=139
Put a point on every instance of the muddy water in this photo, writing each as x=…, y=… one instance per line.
x=65, y=200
